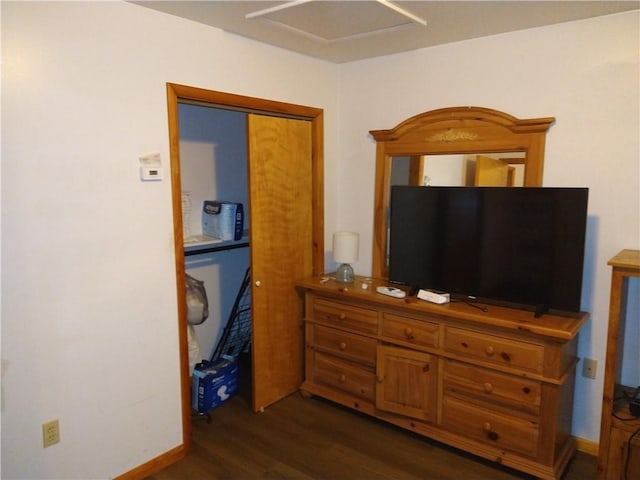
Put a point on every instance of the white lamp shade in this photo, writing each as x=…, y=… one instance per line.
x=345, y=247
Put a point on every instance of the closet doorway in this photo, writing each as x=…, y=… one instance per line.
x=286, y=232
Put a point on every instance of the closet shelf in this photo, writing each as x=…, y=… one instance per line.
x=200, y=244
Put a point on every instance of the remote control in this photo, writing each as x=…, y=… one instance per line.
x=391, y=291
x=433, y=297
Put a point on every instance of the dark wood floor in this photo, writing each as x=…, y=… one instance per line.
x=300, y=438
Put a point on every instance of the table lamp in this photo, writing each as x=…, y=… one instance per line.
x=345, y=251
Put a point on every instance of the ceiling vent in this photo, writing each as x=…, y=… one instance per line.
x=330, y=21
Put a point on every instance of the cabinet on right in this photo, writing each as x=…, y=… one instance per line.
x=619, y=451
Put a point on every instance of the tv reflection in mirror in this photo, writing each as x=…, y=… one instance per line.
x=518, y=247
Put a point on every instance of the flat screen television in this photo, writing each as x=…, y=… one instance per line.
x=519, y=247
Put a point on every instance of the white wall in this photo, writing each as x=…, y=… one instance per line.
x=583, y=73
x=89, y=330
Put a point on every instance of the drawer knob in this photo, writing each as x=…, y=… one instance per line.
x=342, y=316
x=488, y=387
x=343, y=346
x=486, y=426
x=490, y=351
x=343, y=378
x=408, y=332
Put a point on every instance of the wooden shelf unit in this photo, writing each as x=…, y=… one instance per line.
x=202, y=244
x=498, y=384
x=615, y=434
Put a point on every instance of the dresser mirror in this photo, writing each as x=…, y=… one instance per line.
x=466, y=146
x=494, y=169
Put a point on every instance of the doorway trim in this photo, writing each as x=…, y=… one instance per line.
x=184, y=94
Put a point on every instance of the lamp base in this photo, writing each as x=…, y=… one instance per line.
x=345, y=274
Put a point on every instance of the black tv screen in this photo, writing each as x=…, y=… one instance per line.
x=521, y=247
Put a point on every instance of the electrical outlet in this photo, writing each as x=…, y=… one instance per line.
x=50, y=433
x=589, y=366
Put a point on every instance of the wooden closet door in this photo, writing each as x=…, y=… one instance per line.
x=280, y=201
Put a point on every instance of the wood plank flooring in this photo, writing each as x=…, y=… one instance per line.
x=309, y=438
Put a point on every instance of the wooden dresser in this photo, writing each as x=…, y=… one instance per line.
x=498, y=384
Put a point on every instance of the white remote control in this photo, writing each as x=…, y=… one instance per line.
x=391, y=291
x=433, y=297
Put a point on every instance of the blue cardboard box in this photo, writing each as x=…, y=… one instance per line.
x=223, y=220
x=213, y=383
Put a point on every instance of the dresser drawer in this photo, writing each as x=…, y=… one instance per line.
x=347, y=316
x=346, y=345
x=468, y=381
x=417, y=332
x=502, y=431
x=335, y=373
x=496, y=350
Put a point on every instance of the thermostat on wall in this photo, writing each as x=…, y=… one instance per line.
x=151, y=173
x=150, y=167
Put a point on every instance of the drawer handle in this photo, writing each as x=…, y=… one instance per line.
x=408, y=332
x=491, y=435
x=490, y=351
x=343, y=346
x=342, y=316
x=488, y=387
x=343, y=378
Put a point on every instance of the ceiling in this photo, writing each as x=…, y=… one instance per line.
x=343, y=31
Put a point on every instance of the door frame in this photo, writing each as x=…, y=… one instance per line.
x=176, y=94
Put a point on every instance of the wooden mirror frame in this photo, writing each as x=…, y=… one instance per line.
x=454, y=130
